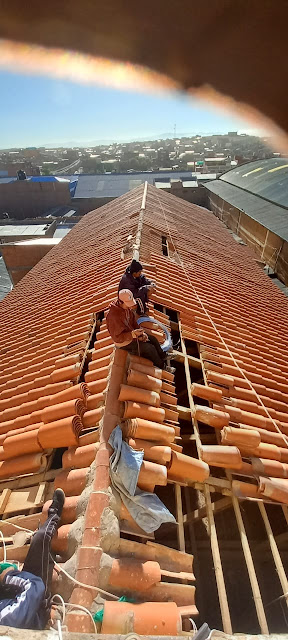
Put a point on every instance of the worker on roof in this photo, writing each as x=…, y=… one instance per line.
x=25, y=595
x=125, y=332
x=141, y=287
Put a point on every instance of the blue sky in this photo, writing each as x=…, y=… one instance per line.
x=36, y=110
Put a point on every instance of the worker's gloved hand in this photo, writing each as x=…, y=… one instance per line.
x=7, y=566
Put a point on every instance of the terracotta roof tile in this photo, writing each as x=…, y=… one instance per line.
x=225, y=304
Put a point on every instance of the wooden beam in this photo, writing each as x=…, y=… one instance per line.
x=285, y=512
x=30, y=480
x=217, y=507
x=179, y=356
x=250, y=568
x=87, y=349
x=179, y=511
x=248, y=558
x=184, y=413
x=222, y=595
x=5, y=495
x=194, y=547
x=206, y=438
x=275, y=551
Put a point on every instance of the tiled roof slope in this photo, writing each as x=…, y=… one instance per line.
x=57, y=387
x=239, y=318
x=46, y=322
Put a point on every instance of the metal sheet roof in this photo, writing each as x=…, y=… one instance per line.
x=271, y=216
x=265, y=178
x=7, y=230
x=116, y=184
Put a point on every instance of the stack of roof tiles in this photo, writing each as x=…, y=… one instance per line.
x=50, y=398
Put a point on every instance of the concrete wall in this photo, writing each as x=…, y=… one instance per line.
x=268, y=247
x=195, y=195
x=24, y=199
x=84, y=205
x=20, y=258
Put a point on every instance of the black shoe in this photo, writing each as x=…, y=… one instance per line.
x=57, y=504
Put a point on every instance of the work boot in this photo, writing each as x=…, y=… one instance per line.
x=57, y=504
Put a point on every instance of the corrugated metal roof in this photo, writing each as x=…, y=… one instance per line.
x=22, y=230
x=265, y=178
x=116, y=184
x=271, y=216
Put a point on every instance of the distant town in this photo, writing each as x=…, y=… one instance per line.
x=201, y=154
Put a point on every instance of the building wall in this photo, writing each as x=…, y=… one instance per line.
x=268, y=247
x=84, y=205
x=19, y=259
x=25, y=199
x=195, y=195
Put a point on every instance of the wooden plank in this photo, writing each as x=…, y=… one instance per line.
x=29, y=480
x=217, y=507
x=190, y=397
x=180, y=357
x=24, y=499
x=206, y=438
x=248, y=558
x=39, y=498
x=88, y=346
x=275, y=552
x=222, y=595
x=285, y=512
x=30, y=522
x=14, y=553
x=250, y=568
x=180, y=527
x=184, y=413
x=193, y=544
x=5, y=495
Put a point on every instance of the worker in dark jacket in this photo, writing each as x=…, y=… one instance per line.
x=124, y=330
x=25, y=595
x=141, y=287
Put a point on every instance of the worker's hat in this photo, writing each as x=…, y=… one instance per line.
x=126, y=296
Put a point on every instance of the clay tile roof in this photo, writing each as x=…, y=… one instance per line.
x=63, y=386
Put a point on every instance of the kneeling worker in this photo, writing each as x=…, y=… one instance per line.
x=141, y=287
x=25, y=595
x=124, y=331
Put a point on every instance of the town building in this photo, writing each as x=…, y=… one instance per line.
x=92, y=191
x=213, y=433
x=48, y=195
